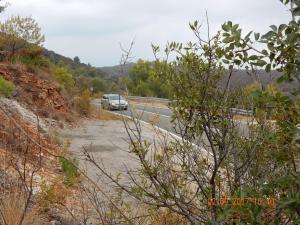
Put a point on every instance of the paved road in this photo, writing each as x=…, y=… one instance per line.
x=161, y=115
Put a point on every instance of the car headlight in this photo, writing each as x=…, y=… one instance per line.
x=114, y=104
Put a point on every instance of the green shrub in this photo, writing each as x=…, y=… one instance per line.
x=98, y=85
x=39, y=61
x=70, y=168
x=6, y=87
x=64, y=78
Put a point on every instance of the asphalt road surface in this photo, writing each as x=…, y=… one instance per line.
x=160, y=116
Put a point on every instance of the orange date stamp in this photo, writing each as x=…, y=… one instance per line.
x=243, y=201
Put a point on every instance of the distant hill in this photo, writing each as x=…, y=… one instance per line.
x=241, y=78
x=82, y=68
x=117, y=71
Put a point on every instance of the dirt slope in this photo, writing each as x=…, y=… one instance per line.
x=36, y=92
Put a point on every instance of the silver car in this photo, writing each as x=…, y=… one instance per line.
x=114, y=101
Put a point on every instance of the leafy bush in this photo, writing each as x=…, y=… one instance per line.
x=64, y=78
x=6, y=87
x=70, y=168
x=143, y=80
x=98, y=85
x=38, y=61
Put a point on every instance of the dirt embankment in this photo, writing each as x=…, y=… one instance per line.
x=40, y=94
x=29, y=152
x=25, y=150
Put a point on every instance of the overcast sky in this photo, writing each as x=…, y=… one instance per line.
x=93, y=29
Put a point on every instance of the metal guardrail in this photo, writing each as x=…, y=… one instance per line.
x=237, y=111
x=148, y=99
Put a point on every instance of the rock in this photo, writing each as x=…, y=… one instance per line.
x=13, y=107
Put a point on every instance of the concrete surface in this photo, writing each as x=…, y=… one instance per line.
x=107, y=141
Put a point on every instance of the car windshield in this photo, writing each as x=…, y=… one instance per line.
x=115, y=97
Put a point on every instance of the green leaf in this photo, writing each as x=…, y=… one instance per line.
x=296, y=11
x=248, y=35
x=272, y=56
x=219, y=52
x=253, y=57
x=235, y=27
x=274, y=28
x=260, y=63
x=281, y=27
x=195, y=23
x=271, y=46
x=256, y=35
x=268, y=68
x=192, y=26
x=225, y=27
x=265, y=52
x=268, y=35
x=285, y=1
x=237, y=62
x=228, y=40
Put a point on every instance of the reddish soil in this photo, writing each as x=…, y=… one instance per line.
x=36, y=92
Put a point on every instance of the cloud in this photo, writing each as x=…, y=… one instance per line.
x=93, y=29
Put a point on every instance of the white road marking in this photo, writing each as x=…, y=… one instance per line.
x=156, y=114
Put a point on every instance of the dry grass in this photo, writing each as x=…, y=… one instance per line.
x=12, y=209
x=101, y=114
